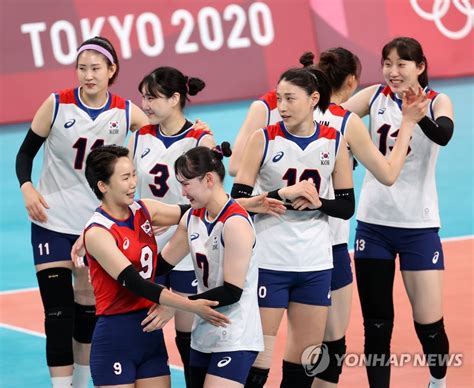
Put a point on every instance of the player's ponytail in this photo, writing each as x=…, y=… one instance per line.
x=198, y=161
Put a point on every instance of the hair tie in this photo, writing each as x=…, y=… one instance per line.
x=97, y=48
x=217, y=150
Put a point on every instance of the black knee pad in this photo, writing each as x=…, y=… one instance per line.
x=435, y=342
x=183, y=343
x=257, y=377
x=84, y=323
x=57, y=294
x=294, y=375
x=336, y=350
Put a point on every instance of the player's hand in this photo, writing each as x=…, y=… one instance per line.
x=157, y=317
x=262, y=204
x=78, y=252
x=303, y=189
x=34, y=203
x=414, y=104
x=158, y=230
x=201, y=125
x=203, y=308
x=302, y=203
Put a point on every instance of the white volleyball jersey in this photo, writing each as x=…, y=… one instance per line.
x=154, y=156
x=206, y=242
x=412, y=201
x=298, y=240
x=75, y=130
x=336, y=117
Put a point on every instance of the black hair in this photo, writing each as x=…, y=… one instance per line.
x=311, y=80
x=167, y=81
x=408, y=49
x=106, y=44
x=100, y=165
x=198, y=161
x=338, y=63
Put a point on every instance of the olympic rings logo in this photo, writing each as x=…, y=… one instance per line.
x=440, y=9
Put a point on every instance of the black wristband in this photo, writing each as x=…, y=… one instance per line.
x=342, y=206
x=226, y=294
x=131, y=280
x=439, y=131
x=162, y=266
x=274, y=194
x=183, y=209
x=27, y=152
x=241, y=191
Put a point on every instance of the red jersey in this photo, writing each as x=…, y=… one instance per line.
x=134, y=237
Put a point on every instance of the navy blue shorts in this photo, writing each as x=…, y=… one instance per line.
x=418, y=249
x=50, y=246
x=180, y=281
x=342, y=271
x=233, y=366
x=277, y=288
x=122, y=353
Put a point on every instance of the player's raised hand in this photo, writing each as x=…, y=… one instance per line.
x=201, y=125
x=157, y=317
x=204, y=308
x=34, y=202
x=262, y=204
x=414, y=104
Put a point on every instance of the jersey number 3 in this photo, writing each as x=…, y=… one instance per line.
x=161, y=173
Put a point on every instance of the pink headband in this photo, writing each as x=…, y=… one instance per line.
x=97, y=48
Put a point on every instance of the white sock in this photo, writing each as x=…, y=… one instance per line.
x=81, y=376
x=437, y=383
x=62, y=382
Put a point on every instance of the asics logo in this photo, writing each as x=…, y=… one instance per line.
x=225, y=361
x=126, y=243
x=145, y=153
x=194, y=236
x=278, y=157
x=69, y=123
x=435, y=257
x=194, y=283
x=381, y=111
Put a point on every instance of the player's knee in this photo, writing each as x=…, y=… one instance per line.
x=294, y=375
x=336, y=351
x=84, y=323
x=58, y=299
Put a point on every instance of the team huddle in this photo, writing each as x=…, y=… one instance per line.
x=225, y=266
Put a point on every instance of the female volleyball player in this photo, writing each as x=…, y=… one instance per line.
x=402, y=219
x=294, y=252
x=70, y=123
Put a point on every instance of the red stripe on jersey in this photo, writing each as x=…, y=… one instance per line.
x=66, y=96
x=337, y=110
x=197, y=133
x=327, y=132
x=147, y=130
x=274, y=131
x=270, y=98
x=232, y=210
x=431, y=94
x=117, y=102
x=386, y=91
x=199, y=213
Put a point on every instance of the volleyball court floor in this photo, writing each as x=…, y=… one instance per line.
x=22, y=342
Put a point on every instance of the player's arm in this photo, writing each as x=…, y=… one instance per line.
x=163, y=214
x=247, y=174
x=237, y=254
x=138, y=118
x=207, y=141
x=440, y=130
x=102, y=246
x=175, y=249
x=256, y=118
x=34, y=139
x=131, y=146
x=359, y=102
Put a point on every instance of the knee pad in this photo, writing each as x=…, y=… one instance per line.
x=84, y=323
x=336, y=350
x=257, y=377
x=294, y=375
x=378, y=335
x=434, y=340
x=56, y=291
